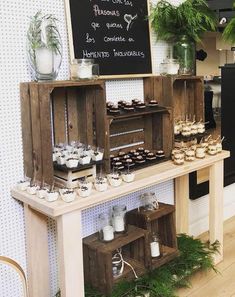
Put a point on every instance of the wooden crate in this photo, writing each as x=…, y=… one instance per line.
x=98, y=258
x=59, y=111
x=151, y=128
x=161, y=221
x=184, y=94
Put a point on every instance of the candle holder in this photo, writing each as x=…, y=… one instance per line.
x=84, y=69
x=106, y=232
x=119, y=218
x=155, y=246
x=44, y=46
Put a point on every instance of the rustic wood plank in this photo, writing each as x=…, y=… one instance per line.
x=73, y=120
x=125, y=139
x=199, y=100
x=149, y=129
x=119, y=126
x=148, y=88
x=36, y=131
x=46, y=137
x=26, y=129
x=59, y=115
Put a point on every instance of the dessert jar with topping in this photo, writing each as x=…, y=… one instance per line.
x=179, y=158
x=190, y=155
x=200, y=152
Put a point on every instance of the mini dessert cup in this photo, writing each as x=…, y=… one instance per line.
x=84, y=191
x=186, y=130
x=128, y=177
x=200, y=127
x=61, y=160
x=212, y=149
x=179, y=158
x=85, y=183
x=114, y=179
x=97, y=155
x=22, y=185
x=68, y=195
x=41, y=192
x=71, y=162
x=190, y=155
x=200, y=152
x=32, y=189
x=51, y=196
x=84, y=159
x=101, y=184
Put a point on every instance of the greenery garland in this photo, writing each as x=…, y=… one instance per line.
x=163, y=281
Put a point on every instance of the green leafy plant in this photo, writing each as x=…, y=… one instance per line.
x=163, y=281
x=229, y=31
x=191, y=18
x=43, y=32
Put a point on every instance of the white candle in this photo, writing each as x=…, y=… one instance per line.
x=155, y=250
x=44, y=60
x=118, y=223
x=108, y=233
x=85, y=71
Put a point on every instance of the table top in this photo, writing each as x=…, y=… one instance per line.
x=144, y=178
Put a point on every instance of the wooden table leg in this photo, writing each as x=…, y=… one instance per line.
x=37, y=253
x=70, y=254
x=182, y=203
x=216, y=206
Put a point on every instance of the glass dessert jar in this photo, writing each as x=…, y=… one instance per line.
x=119, y=218
x=106, y=232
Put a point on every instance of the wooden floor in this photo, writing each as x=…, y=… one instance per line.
x=211, y=284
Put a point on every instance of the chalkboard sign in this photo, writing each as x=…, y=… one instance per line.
x=113, y=32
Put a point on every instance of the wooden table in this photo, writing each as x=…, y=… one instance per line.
x=69, y=228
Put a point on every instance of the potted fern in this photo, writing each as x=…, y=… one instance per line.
x=44, y=46
x=182, y=26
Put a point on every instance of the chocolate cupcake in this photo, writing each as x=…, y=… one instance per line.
x=151, y=156
x=129, y=107
x=153, y=103
x=140, y=150
x=121, y=154
x=135, y=101
x=140, y=105
x=129, y=162
x=160, y=154
x=140, y=160
x=114, y=109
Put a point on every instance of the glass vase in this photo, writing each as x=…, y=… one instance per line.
x=184, y=51
x=44, y=47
